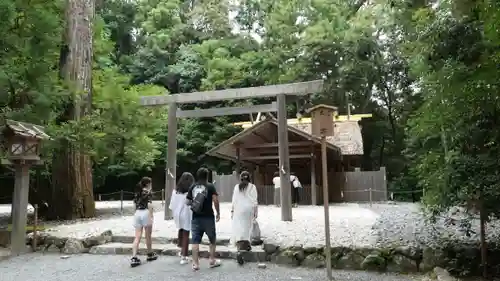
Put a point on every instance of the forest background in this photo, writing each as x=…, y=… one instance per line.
x=428, y=71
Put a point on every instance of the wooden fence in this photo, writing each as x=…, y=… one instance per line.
x=365, y=186
x=357, y=186
x=225, y=185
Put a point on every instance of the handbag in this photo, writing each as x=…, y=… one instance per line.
x=255, y=234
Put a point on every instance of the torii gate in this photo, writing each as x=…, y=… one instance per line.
x=280, y=91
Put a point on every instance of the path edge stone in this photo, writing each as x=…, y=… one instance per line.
x=400, y=259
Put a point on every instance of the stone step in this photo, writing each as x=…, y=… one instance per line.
x=222, y=252
x=164, y=240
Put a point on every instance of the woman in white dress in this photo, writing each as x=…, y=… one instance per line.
x=244, y=211
x=182, y=214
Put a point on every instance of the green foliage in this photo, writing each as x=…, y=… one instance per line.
x=454, y=139
x=31, y=33
x=429, y=75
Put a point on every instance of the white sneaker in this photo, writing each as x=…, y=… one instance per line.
x=184, y=261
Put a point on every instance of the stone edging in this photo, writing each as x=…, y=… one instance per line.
x=405, y=259
x=400, y=259
x=49, y=243
x=443, y=275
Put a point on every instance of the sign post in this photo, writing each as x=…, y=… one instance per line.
x=324, y=168
x=322, y=125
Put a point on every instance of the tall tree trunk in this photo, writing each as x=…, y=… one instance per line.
x=72, y=191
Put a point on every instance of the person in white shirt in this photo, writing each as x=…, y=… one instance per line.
x=276, y=182
x=295, y=185
x=243, y=212
x=182, y=214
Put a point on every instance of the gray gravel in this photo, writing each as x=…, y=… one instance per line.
x=382, y=224
x=405, y=224
x=111, y=268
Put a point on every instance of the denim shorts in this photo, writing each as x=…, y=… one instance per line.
x=200, y=226
x=142, y=218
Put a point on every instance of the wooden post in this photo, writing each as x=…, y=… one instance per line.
x=19, y=209
x=100, y=199
x=163, y=197
x=121, y=202
x=170, y=173
x=35, y=228
x=371, y=195
x=238, y=160
x=314, y=197
x=284, y=161
x=328, y=254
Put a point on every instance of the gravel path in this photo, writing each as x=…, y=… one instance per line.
x=104, y=210
x=351, y=225
x=102, y=207
x=404, y=224
x=116, y=268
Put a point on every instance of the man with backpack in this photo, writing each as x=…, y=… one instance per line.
x=200, y=197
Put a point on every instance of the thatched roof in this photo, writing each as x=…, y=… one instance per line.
x=347, y=136
x=268, y=128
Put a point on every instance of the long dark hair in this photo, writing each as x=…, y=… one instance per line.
x=244, y=180
x=143, y=183
x=185, y=182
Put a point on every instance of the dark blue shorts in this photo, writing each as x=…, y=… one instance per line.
x=200, y=226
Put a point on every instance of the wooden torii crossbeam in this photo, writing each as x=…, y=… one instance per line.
x=280, y=91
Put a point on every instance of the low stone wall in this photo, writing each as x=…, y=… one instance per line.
x=459, y=260
x=47, y=242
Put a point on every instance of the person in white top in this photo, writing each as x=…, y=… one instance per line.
x=276, y=182
x=182, y=213
x=295, y=185
x=244, y=211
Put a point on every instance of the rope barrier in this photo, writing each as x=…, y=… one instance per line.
x=371, y=191
x=383, y=191
x=406, y=191
x=6, y=197
x=124, y=192
x=111, y=193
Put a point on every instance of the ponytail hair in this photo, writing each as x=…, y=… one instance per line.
x=144, y=182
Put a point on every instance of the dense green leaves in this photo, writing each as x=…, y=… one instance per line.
x=427, y=72
x=454, y=136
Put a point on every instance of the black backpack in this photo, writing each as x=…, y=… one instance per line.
x=199, y=200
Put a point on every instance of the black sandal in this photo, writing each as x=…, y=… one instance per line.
x=135, y=261
x=152, y=256
x=239, y=258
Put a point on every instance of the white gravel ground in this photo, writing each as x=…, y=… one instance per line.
x=404, y=224
x=5, y=209
x=350, y=224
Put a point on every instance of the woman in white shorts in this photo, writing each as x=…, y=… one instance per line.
x=143, y=220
